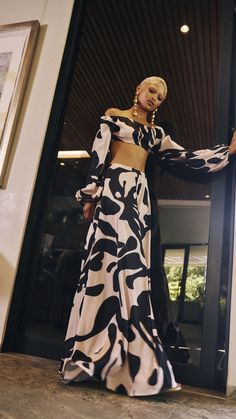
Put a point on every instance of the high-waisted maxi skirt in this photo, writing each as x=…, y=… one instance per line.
x=112, y=334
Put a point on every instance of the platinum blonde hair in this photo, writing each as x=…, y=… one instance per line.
x=155, y=79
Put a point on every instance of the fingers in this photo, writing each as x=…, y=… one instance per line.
x=88, y=211
x=233, y=135
x=232, y=146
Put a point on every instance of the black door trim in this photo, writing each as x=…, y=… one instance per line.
x=46, y=170
x=205, y=375
x=217, y=219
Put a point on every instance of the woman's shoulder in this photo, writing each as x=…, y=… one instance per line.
x=110, y=118
x=114, y=112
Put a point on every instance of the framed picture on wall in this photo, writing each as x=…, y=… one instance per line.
x=17, y=43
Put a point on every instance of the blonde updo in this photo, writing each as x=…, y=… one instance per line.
x=155, y=79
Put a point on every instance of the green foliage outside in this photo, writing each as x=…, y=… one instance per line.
x=195, y=284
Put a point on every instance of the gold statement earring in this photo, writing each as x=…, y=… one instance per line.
x=153, y=117
x=135, y=111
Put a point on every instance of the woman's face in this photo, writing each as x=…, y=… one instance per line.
x=151, y=95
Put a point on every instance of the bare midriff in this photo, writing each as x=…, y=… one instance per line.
x=129, y=155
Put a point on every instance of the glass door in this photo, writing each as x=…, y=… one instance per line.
x=185, y=270
x=51, y=256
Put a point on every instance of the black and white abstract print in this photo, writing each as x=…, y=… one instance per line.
x=111, y=334
x=152, y=140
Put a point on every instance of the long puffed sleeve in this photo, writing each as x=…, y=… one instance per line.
x=208, y=160
x=100, y=150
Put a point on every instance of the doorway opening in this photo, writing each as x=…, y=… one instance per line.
x=121, y=43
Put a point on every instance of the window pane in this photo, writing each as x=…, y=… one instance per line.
x=195, y=284
x=60, y=256
x=194, y=299
x=173, y=263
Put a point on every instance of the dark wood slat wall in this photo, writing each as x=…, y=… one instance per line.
x=125, y=41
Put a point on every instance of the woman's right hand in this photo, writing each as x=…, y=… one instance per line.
x=88, y=210
x=232, y=146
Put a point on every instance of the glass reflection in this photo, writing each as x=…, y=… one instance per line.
x=186, y=274
x=60, y=256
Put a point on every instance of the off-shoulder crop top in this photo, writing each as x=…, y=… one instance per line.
x=153, y=140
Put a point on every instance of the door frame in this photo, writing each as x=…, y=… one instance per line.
x=186, y=247
x=43, y=185
x=205, y=375
x=223, y=127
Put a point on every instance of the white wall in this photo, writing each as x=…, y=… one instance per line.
x=184, y=221
x=231, y=378
x=188, y=221
x=54, y=17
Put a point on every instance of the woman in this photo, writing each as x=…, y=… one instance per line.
x=112, y=334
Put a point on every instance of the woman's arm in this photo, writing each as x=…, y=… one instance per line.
x=172, y=160
x=232, y=146
x=100, y=150
x=207, y=160
x=88, y=210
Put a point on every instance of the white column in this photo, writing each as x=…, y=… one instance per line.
x=54, y=17
x=231, y=377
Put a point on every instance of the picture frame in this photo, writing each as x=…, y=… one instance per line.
x=17, y=44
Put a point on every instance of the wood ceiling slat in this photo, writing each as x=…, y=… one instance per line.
x=161, y=61
x=127, y=40
x=194, y=134
x=214, y=28
x=200, y=52
x=208, y=68
x=182, y=41
x=105, y=33
x=176, y=79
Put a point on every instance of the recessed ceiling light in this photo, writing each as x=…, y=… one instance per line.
x=62, y=164
x=207, y=196
x=184, y=28
x=72, y=154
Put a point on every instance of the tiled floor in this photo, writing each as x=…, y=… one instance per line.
x=29, y=388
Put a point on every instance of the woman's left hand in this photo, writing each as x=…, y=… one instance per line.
x=232, y=146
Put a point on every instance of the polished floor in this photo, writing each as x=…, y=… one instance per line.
x=29, y=388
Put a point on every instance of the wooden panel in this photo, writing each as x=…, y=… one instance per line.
x=127, y=40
